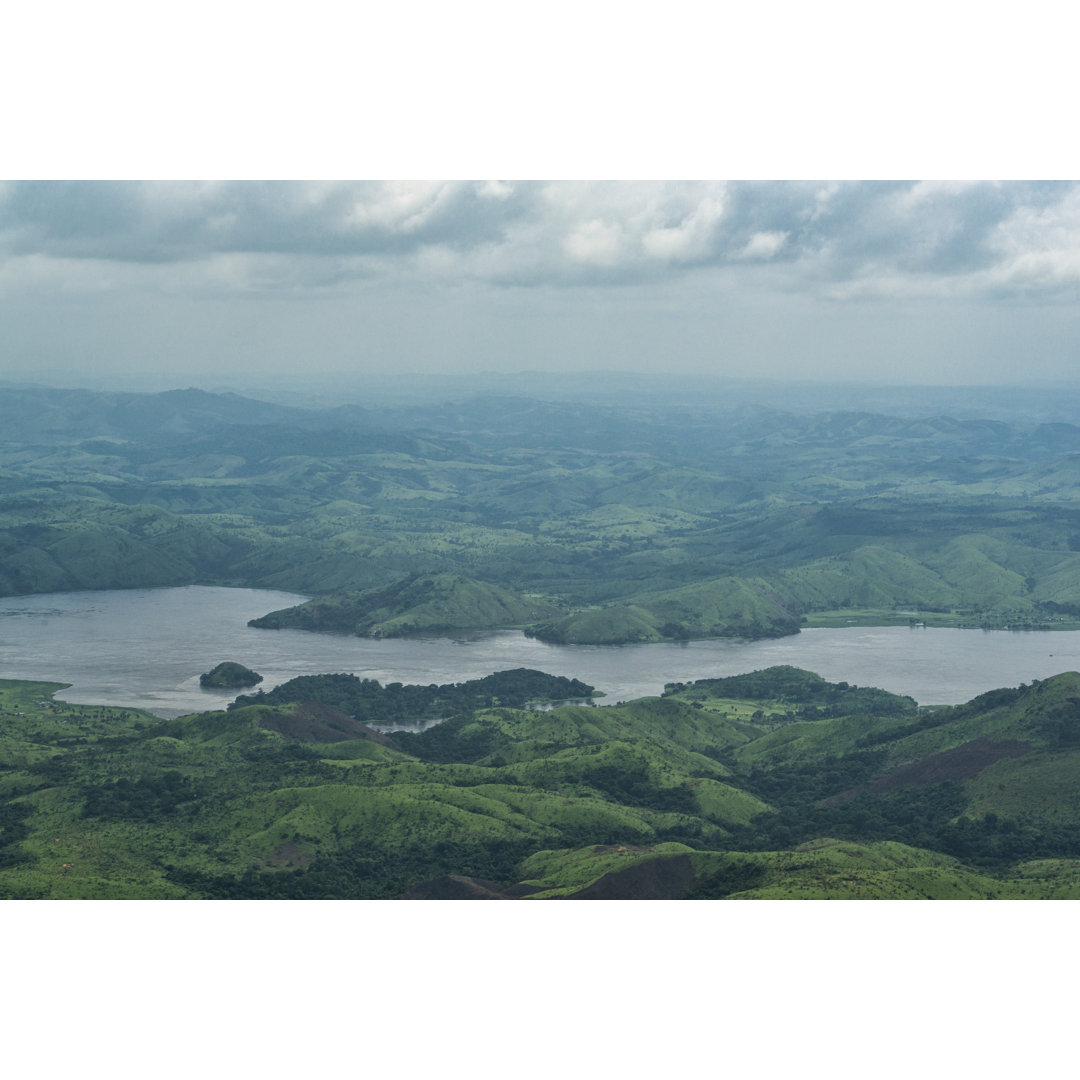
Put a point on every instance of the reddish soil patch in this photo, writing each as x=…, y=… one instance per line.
x=312, y=722
x=667, y=877
x=962, y=762
x=287, y=856
x=454, y=887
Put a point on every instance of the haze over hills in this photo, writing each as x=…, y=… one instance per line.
x=605, y=523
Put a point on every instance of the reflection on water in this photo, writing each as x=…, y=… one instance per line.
x=147, y=648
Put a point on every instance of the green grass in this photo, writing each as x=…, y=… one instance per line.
x=110, y=803
x=824, y=869
x=421, y=603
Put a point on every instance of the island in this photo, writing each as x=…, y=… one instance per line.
x=229, y=676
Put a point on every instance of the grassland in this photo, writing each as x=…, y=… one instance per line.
x=421, y=603
x=821, y=791
x=823, y=869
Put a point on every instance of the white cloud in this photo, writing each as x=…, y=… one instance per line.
x=398, y=206
x=763, y=245
x=691, y=239
x=597, y=242
x=1039, y=248
x=494, y=189
x=840, y=240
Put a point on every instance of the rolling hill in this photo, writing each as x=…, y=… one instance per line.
x=775, y=784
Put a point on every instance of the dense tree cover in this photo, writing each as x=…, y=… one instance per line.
x=147, y=798
x=929, y=816
x=360, y=872
x=229, y=675
x=368, y=701
x=810, y=694
x=13, y=831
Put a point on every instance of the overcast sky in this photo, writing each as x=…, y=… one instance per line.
x=211, y=283
x=885, y=282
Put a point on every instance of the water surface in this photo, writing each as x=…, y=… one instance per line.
x=147, y=648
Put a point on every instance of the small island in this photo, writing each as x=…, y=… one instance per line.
x=229, y=676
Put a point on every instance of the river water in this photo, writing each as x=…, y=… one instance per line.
x=147, y=647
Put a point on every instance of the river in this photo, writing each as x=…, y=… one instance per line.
x=147, y=647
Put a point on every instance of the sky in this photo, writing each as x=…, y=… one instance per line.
x=962, y=282
x=177, y=280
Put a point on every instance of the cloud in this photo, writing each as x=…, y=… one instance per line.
x=692, y=238
x=763, y=245
x=1037, y=249
x=152, y=222
x=838, y=240
x=596, y=241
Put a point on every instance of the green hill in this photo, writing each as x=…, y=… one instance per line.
x=421, y=603
x=823, y=869
x=694, y=795
x=68, y=545
x=591, y=524
x=229, y=675
x=726, y=607
x=366, y=700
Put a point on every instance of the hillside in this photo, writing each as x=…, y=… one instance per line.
x=768, y=785
x=727, y=607
x=368, y=700
x=825, y=869
x=421, y=603
x=587, y=523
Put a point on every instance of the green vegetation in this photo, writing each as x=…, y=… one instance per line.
x=229, y=675
x=370, y=702
x=825, y=869
x=724, y=608
x=421, y=603
x=851, y=793
x=581, y=524
x=584, y=524
x=795, y=694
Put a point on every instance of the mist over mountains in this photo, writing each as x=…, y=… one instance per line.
x=580, y=519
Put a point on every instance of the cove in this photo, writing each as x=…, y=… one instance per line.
x=147, y=647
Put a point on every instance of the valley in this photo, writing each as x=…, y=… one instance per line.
x=580, y=524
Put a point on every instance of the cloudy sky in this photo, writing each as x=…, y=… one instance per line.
x=939, y=282
x=191, y=282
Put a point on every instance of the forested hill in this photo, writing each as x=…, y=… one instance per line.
x=368, y=701
x=428, y=603
x=778, y=786
x=580, y=522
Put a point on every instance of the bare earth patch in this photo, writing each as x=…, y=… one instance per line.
x=667, y=877
x=312, y=722
x=963, y=762
x=288, y=856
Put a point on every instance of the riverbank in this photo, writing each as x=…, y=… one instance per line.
x=958, y=620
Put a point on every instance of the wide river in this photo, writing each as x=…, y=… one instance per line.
x=147, y=648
